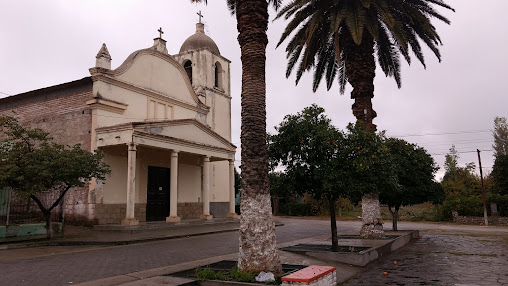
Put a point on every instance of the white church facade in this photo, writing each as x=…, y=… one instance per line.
x=163, y=123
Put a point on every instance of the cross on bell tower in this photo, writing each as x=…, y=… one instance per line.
x=200, y=16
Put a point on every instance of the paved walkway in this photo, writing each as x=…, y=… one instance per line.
x=473, y=256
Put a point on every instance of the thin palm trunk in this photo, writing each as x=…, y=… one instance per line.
x=258, y=250
x=361, y=70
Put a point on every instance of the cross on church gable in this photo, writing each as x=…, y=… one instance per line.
x=160, y=33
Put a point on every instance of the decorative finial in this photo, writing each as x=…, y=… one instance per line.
x=200, y=16
x=103, y=58
x=160, y=33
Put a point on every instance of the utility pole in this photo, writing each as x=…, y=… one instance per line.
x=483, y=191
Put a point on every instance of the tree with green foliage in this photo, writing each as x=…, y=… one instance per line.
x=457, y=179
x=311, y=151
x=415, y=172
x=500, y=174
x=258, y=247
x=500, y=134
x=461, y=186
x=280, y=188
x=31, y=164
x=372, y=171
x=339, y=39
x=238, y=183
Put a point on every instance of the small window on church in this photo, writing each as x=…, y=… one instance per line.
x=218, y=75
x=188, y=69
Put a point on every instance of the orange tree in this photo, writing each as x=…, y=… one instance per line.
x=308, y=147
x=415, y=170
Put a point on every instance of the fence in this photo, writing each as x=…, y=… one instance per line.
x=16, y=209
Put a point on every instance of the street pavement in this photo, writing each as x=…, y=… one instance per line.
x=446, y=254
x=91, y=263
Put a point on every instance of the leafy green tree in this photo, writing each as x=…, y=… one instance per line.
x=500, y=134
x=311, y=151
x=500, y=174
x=461, y=186
x=457, y=179
x=415, y=171
x=372, y=170
x=280, y=188
x=32, y=164
x=258, y=248
x=238, y=183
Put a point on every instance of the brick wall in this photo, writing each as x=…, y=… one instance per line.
x=60, y=110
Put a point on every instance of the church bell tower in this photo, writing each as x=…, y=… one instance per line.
x=209, y=75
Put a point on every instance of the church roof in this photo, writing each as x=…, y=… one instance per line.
x=200, y=41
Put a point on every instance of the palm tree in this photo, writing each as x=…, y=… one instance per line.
x=338, y=39
x=258, y=250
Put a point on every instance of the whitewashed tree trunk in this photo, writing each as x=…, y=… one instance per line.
x=258, y=250
x=372, y=224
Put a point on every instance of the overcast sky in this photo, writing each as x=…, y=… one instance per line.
x=44, y=43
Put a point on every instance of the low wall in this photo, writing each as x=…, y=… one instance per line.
x=23, y=230
x=479, y=220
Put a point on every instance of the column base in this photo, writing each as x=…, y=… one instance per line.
x=232, y=215
x=206, y=217
x=130, y=221
x=173, y=219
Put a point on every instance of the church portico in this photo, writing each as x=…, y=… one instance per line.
x=190, y=165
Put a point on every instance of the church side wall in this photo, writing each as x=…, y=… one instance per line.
x=64, y=114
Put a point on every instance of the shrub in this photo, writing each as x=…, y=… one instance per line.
x=464, y=205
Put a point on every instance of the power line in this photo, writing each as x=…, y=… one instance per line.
x=446, y=133
x=461, y=152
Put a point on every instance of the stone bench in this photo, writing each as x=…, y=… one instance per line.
x=312, y=275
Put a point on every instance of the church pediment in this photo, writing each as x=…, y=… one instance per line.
x=188, y=129
x=157, y=71
x=187, y=135
x=153, y=71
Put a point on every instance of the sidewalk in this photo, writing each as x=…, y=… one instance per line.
x=122, y=235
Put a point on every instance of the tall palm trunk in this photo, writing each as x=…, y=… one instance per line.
x=258, y=251
x=361, y=70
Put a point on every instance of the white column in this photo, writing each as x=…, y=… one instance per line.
x=232, y=213
x=131, y=185
x=173, y=195
x=206, y=189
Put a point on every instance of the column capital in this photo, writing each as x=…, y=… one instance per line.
x=131, y=146
x=231, y=162
x=174, y=153
x=206, y=158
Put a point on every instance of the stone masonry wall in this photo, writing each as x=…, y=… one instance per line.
x=479, y=220
x=61, y=111
x=115, y=213
x=190, y=210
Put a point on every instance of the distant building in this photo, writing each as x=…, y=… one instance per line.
x=164, y=124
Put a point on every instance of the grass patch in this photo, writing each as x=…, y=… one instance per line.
x=231, y=275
